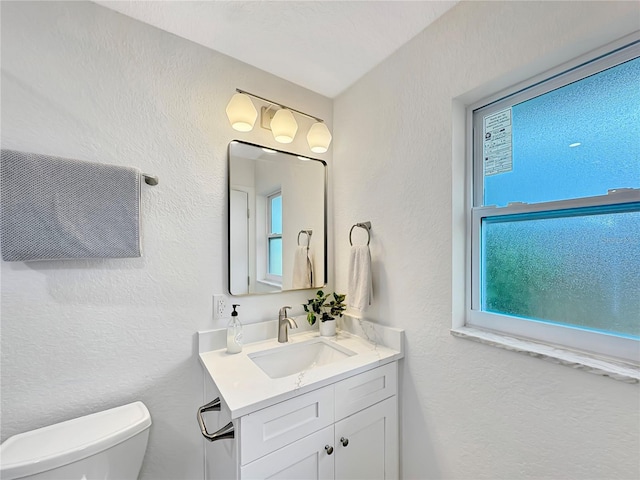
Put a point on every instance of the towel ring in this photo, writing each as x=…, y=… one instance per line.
x=366, y=226
x=308, y=233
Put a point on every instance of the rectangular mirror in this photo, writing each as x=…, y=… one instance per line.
x=277, y=220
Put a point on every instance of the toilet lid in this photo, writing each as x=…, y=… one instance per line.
x=50, y=447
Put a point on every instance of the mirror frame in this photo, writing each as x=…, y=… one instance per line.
x=325, y=203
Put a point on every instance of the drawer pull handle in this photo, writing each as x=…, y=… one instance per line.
x=344, y=441
x=329, y=449
x=225, y=432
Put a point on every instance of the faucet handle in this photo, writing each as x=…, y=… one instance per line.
x=283, y=311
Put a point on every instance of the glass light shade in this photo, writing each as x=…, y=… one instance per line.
x=319, y=138
x=241, y=112
x=284, y=126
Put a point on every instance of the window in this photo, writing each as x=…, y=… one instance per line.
x=274, y=237
x=555, y=209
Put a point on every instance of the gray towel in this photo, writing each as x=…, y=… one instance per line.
x=58, y=208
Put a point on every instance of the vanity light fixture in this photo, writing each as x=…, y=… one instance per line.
x=281, y=121
x=284, y=126
x=241, y=112
x=319, y=137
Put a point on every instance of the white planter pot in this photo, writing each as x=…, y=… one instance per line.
x=328, y=328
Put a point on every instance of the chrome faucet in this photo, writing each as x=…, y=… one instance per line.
x=283, y=323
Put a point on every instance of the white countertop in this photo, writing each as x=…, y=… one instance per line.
x=245, y=388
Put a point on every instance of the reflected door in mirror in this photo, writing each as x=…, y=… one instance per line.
x=239, y=241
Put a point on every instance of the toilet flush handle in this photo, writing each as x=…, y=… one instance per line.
x=225, y=432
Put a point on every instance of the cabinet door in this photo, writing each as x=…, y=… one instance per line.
x=366, y=443
x=306, y=459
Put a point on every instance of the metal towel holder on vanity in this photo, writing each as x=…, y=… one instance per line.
x=225, y=432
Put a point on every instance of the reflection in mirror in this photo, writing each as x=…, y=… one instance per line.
x=277, y=221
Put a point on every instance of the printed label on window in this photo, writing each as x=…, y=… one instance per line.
x=496, y=145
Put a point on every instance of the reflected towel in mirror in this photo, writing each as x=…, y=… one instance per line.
x=302, y=268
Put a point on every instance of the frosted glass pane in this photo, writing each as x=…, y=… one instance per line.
x=275, y=256
x=582, y=271
x=576, y=141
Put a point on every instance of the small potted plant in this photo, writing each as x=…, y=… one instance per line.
x=326, y=307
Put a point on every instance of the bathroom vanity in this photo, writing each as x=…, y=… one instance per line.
x=314, y=408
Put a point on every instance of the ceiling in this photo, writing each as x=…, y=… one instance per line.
x=324, y=46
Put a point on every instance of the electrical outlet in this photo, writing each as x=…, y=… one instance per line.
x=220, y=306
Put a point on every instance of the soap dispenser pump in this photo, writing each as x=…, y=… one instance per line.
x=234, y=333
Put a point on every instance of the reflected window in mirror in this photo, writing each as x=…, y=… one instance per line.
x=274, y=238
x=273, y=196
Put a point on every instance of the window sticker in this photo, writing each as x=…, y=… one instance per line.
x=496, y=144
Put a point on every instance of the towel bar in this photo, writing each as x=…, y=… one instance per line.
x=225, y=432
x=150, y=179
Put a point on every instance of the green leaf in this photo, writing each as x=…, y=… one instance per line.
x=311, y=318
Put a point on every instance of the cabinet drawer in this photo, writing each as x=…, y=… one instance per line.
x=268, y=429
x=359, y=392
x=306, y=458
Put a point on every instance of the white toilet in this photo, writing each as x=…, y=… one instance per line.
x=107, y=445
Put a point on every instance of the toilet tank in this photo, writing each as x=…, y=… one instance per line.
x=107, y=445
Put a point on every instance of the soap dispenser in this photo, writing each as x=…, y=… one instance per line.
x=234, y=333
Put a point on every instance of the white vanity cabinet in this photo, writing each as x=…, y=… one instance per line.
x=347, y=430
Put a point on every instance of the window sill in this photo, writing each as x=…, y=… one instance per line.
x=618, y=370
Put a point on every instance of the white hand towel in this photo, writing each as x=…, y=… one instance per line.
x=360, y=289
x=302, y=268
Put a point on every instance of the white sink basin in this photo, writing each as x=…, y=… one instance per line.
x=294, y=358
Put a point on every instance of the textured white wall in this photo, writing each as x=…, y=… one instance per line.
x=82, y=81
x=470, y=411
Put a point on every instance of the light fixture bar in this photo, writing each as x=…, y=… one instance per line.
x=279, y=105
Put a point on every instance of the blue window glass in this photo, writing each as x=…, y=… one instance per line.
x=275, y=256
x=276, y=214
x=581, y=270
x=577, y=141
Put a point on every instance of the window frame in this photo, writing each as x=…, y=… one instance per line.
x=601, y=343
x=270, y=277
